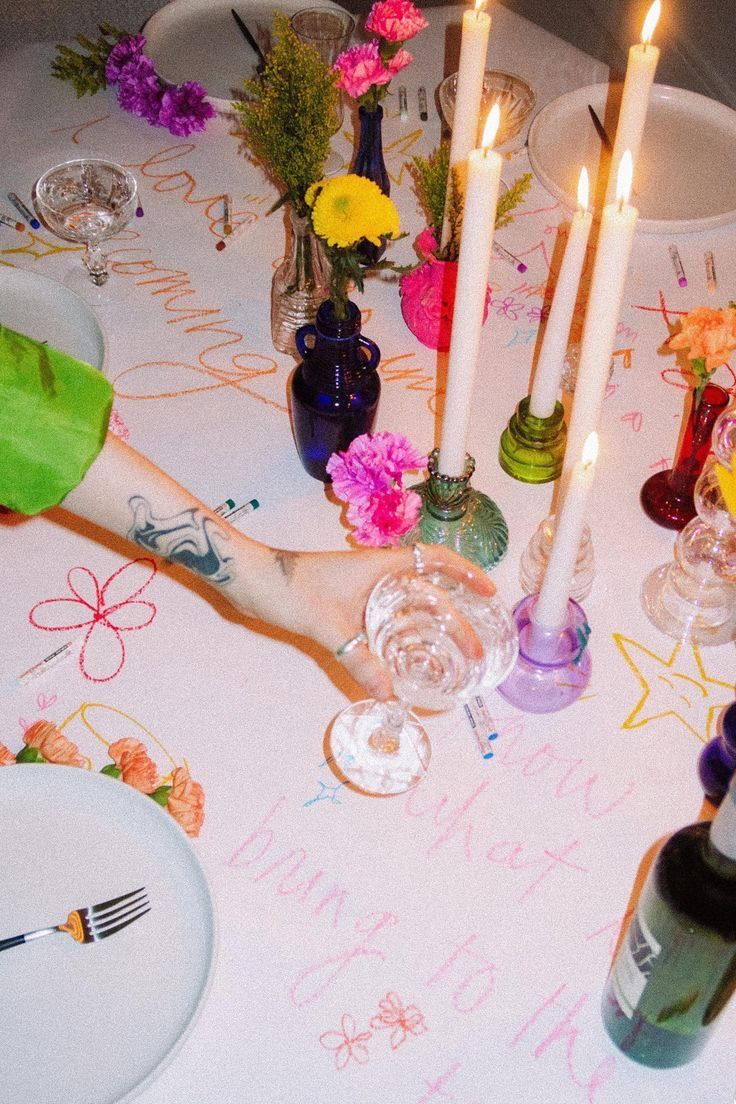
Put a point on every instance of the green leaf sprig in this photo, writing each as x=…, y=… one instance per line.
x=288, y=114
x=85, y=70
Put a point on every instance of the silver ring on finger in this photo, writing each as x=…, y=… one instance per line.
x=351, y=644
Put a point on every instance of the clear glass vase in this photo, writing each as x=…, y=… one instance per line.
x=300, y=284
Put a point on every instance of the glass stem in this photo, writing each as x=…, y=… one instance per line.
x=387, y=737
x=95, y=261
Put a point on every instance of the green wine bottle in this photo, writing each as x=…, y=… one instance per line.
x=676, y=966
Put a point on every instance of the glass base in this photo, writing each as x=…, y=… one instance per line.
x=532, y=449
x=666, y=506
x=375, y=759
x=706, y=616
x=536, y=556
x=553, y=667
x=459, y=517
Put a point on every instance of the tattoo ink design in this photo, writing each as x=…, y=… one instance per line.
x=286, y=562
x=187, y=538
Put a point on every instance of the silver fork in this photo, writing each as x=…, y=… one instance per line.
x=93, y=922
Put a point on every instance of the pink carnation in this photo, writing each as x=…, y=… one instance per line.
x=395, y=20
x=385, y=518
x=399, y=61
x=426, y=244
x=368, y=476
x=360, y=68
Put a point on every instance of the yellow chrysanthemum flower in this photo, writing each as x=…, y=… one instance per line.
x=347, y=209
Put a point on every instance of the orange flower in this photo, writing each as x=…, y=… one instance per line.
x=707, y=334
x=6, y=757
x=131, y=758
x=186, y=802
x=53, y=744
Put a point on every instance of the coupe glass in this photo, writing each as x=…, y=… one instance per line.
x=442, y=642
x=513, y=95
x=328, y=31
x=87, y=201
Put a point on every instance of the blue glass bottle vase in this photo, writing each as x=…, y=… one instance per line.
x=334, y=391
x=368, y=162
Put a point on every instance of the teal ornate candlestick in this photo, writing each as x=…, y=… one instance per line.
x=532, y=449
x=456, y=515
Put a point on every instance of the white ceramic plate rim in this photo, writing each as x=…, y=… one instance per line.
x=576, y=104
x=160, y=20
x=41, y=299
x=25, y=782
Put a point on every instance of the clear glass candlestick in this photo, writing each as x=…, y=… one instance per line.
x=87, y=200
x=457, y=516
x=442, y=642
x=536, y=556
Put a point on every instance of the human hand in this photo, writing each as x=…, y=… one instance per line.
x=329, y=591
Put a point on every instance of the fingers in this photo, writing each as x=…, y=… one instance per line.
x=369, y=672
x=457, y=567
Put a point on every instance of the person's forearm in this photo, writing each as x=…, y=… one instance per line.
x=125, y=493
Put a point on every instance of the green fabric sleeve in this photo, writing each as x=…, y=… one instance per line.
x=54, y=412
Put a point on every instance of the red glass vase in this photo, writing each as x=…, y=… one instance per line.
x=667, y=496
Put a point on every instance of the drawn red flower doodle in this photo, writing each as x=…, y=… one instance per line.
x=400, y=1021
x=347, y=1043
x=106, y=611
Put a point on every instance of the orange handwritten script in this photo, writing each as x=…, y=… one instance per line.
x=181, y=181
x=77, y=128
x=165, y=379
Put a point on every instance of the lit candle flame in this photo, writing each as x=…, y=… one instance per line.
x=623, y=180
x=590, y=449
x=651, y=22
x=583, y=189
x=490, y=130
x=481, y=4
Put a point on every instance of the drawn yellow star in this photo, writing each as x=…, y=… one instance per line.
x=677, y=686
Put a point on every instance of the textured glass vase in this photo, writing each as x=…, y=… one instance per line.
x=694, y=596
x=334, y=391
x=368, y=162
x=300, y=284
x=667, y=496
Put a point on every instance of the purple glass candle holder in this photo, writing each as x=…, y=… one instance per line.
x=553, y=667
x=717, y=760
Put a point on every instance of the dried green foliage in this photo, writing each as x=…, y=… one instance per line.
x=288, y=114
x=85, y=71
x=430, y=181
x=431, y=174
x=511, y=199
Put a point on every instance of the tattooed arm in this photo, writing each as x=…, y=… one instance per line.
x=320, y=595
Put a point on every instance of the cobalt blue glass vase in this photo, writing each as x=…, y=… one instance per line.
x=335, y=389
x=368, y=162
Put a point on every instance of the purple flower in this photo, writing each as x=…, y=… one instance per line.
x=184, y=109
x=139, y=90
x=127, y=50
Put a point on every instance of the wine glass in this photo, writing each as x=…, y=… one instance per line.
x=87, y=201
x=442, y=642
x=328, y=31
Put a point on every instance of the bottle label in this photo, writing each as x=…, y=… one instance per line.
x=634, y=964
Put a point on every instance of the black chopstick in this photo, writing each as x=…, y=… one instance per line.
x=599, y=129
x=247, y=35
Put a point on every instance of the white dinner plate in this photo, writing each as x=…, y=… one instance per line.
x=94, y=1023
x=685, y=179
x=198, y=40
x=48, y=311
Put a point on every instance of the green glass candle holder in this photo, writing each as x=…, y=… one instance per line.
x=532, y=449
x=456, y=515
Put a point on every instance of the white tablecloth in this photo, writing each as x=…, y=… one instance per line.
x=490, y=898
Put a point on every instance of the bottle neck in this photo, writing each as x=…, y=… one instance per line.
x=722, y=837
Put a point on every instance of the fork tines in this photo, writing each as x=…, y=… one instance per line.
x=111, y=916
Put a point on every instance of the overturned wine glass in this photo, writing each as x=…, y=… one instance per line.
x=87, y=201
x=442, y=641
